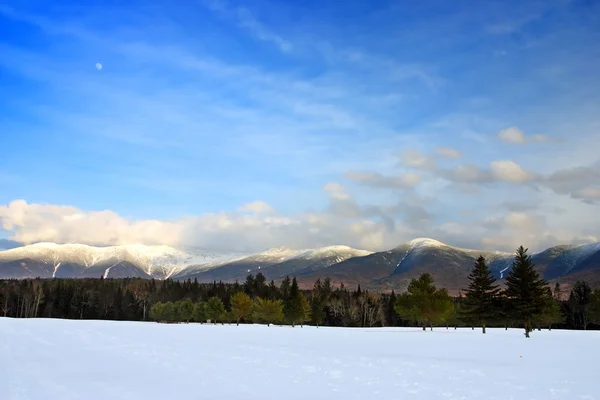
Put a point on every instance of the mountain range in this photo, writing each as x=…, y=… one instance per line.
x=383, y=271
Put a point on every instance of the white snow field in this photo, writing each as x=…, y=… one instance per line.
x=43, y=359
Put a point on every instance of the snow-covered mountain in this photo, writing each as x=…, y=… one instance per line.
x=393, y=269
x=383, y=270
x=49, y=260
x=275, y=263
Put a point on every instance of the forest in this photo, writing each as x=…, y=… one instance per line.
x=526, y=301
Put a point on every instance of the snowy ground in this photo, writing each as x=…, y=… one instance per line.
x=61, y=360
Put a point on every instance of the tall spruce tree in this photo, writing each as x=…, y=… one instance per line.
x=479, y=305
x=525, y=289
x=295, y=308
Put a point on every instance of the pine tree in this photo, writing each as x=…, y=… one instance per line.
x=580, y=299
x=241, y=306
x=305, y=309
x=157, y=311
x=423, y=303
x=249, y=285
x=551, y=313
x=284, y=287
x=525, y=290
x=215, y=309
x=269, y=311
x=169, y=312
x=293, y=304
x=557, y=292
x=595, y=307
x=185, y=310
x=390, y=313
x=479, y=305
x=200, y=312
x=317, y=306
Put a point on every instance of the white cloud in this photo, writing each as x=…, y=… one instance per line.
x=509, y=171
x=448, y=152
x=416, y=159
x=65, y=224
x=365, y=227
x=516, y=136
x=539, y=138
x=512, y=135
x=257, y=207
x=337, y=191
x=245, y=19
x=223, y=231
x=401, y=181
x=466, y=173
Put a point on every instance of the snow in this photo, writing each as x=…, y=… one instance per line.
x=62, y=359
x=426, y=242
x=340, y=251
x=275, y=255
x=158, y=261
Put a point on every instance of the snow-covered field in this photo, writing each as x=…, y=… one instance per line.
x=60, y=360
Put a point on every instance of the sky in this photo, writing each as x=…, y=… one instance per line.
x=245, y=125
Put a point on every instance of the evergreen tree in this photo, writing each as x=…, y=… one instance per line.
x=317, y=303
x=457, y=312
x=200, y=312
x=317, y=311
x=443, y=307
x=580, y=299
x=249, y=285
x=185, y=310
x=215, y=309
x=504, y=309
x=525, y=290
x=305, y=309
x=293, y=304
x=241, y=306
x=169, y=312
x=551, y=313
x=595, y=307
x=157, y=311
x=423, y=303
x=479, y=304
x=284, y=287
x=269, y=311
x=557, y=292
x=390, y=313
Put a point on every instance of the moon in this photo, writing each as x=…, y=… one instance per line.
x=98, y=66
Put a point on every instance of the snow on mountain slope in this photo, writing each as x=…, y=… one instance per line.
x=157, y=261
x=573, y=256
x=339, y=252
x=426, y=251
x=275, y=255
x=275, y=263
x=420, y=243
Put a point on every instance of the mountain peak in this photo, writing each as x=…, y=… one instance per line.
x=426, y=242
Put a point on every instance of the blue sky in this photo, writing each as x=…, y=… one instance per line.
x=330, y=115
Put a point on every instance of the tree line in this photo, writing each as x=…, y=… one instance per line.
x=526, y=301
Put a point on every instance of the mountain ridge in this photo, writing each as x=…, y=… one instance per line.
x=384, y=270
